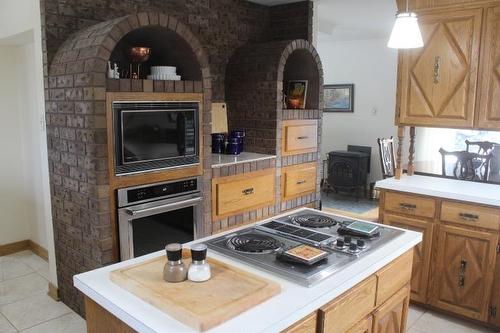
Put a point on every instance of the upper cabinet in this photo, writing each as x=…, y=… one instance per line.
x=489, y=103
x=437, y=83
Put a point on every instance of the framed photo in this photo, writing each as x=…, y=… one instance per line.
x=296, y=94
x=338, y=97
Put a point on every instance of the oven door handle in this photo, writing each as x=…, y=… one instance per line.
x=163, y=208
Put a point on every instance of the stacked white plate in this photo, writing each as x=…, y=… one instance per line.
x=164, y=73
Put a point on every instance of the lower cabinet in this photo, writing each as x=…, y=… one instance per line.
x=357, y=310
x=463, y=272
x=364, y=326
x=494, y=309
x=391, y=316
x=307, y=325
x=421, y=253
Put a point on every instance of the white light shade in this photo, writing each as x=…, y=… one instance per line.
x=406, y=33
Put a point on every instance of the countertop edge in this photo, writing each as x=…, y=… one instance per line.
x=424, y=188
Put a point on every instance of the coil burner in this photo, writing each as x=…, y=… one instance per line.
x=254, y=243
x=313, y=221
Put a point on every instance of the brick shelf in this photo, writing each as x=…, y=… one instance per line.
x=128, y=85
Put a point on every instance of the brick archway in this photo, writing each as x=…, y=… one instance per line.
x=77, y=142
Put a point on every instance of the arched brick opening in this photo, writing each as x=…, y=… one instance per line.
x=77, y=142
x=254, y=88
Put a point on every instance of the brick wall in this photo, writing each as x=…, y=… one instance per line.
x=78, y=38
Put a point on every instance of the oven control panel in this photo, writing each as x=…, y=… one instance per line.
x=156, y=191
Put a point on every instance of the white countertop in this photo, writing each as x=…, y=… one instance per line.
x=221, y=160
x=481, y=193
x=293, y=303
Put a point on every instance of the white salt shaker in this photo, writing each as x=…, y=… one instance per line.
x=199, y=269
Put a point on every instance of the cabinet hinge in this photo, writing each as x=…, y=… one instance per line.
x=498, y=248
x=492, y=311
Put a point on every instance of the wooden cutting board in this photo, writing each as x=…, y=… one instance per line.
x=200, y=305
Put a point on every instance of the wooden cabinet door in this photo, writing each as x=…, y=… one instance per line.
x=489, y=102
x=462, y=274
x=437, y=83
x=495, y=294
x=364, y=326
x=306, y=325
x=421, y=253
x=391, y=316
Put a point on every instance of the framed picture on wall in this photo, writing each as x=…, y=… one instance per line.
x=338, y=97
x=296, y=94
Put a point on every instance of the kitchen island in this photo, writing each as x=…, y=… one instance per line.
x=372, y=291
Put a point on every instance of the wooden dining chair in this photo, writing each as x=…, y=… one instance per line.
x=468, y=166
x=387, y=157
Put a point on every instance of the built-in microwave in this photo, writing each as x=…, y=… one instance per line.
x=155, y=135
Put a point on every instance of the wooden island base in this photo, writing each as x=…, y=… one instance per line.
x=378, y=304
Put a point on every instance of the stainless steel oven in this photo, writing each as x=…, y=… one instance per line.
x=151, y=216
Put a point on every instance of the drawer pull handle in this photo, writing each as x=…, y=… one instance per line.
x=407, y=206
x=302, y=137
x=468, y=217
x=300, y=182
x=247, y=191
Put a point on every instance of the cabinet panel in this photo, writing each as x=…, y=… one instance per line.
x=489, y=103
x=235, y=194
x=495, y=295
x=306, y=325
x=421, y=253
x=438, y=81
x=299, y=136
x=463, y=271
x=364, y=326
x=391, y=316
x=393, y=277
x=298, y=180
x=349, y=308
x=410, y=204
x=470, y=215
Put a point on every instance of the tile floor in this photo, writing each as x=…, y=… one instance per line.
x=421, y=320
x=24, y=304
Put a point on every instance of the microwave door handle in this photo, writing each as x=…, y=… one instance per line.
x=137, y=213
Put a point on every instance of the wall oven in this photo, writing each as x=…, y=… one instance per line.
x=155, y=135
x=151, y=216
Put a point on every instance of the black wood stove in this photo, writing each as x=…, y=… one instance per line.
x=348, y=170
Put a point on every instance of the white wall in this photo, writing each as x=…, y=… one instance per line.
x=23, y=108
x=14, y=224
x=372, y=67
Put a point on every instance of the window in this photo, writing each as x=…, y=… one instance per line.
x=430, y=140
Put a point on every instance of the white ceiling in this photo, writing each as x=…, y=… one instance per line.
x=344, y=20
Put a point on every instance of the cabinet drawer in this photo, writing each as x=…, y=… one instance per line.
x=235, y=194
x=297, y=180
x=299, y=136
x=306, y=325
x=410, y=204
x=393, y=277
x=348, y=309
x=469, y=215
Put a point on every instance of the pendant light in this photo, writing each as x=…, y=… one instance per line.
x=406, y=32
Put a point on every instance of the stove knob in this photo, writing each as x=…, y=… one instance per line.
x=353, y=247
x=361, y=243
x=340, y=243
x=347, y=239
